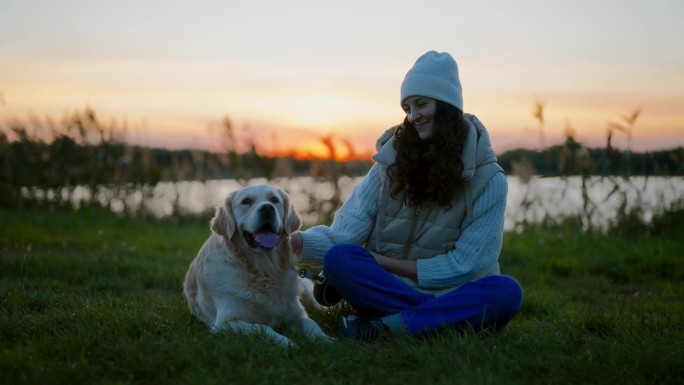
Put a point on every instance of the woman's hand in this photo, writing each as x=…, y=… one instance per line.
x=397, y=266
x=297, y=243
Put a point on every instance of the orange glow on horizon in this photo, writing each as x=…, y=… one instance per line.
x=316, y=153
x=321, y=148
x=310, y=120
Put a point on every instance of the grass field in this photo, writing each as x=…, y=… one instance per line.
x=87, y=297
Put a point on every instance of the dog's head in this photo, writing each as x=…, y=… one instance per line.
x=261, y=215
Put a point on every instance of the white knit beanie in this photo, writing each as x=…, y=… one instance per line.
x=434, y=75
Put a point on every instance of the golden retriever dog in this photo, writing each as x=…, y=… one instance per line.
x=244, y=278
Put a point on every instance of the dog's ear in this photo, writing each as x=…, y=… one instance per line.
x=292, y=221
x=223, y=223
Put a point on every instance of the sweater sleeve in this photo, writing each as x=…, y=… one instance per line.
x=477, y=249
x=352, y=223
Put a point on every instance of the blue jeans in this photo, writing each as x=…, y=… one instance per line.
x=373, y=292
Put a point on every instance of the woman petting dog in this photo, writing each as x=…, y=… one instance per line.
x=415, y=248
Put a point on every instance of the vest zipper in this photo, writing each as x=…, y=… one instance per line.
x=414, y=222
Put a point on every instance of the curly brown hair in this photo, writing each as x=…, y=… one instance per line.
x=430, y=170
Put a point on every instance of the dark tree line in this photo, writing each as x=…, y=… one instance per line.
x=572, y=158
x=82, y=150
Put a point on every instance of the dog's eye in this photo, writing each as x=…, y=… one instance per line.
x=274, y=200
x=247, y=201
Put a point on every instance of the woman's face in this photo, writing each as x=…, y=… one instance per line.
x=419, y=111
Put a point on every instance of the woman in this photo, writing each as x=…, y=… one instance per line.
x=415, y=247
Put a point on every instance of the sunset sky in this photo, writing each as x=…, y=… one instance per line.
x=290, y=72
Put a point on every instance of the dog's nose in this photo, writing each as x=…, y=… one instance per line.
x=267, y=210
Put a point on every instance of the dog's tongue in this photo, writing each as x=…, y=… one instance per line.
x=267, y=239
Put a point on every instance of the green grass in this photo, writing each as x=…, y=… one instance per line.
x=87, y=297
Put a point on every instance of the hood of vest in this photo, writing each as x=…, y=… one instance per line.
x=477, y=149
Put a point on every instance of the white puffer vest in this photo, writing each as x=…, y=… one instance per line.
x=412, y=233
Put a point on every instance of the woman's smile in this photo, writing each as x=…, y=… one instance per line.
x=419, y=111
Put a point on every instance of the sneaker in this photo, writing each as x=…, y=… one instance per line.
x=363, y=329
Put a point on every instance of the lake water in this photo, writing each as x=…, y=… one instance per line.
x=531, y=202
